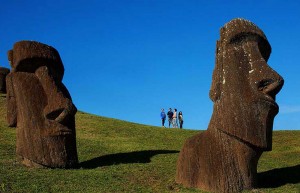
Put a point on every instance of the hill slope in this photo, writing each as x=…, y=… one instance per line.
x=119, y=156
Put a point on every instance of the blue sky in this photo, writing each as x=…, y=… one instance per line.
x=127, y=59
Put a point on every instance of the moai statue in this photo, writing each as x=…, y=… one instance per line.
x=224, y=158
x=3, y=73
x=40, y=106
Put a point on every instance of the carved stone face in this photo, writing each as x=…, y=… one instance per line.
x=3, y=74
x=41, y=107
x=244, y=85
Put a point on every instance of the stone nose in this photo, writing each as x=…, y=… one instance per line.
x=59, y=105
x=270, y=86
x=60, y=113
x=268, y=81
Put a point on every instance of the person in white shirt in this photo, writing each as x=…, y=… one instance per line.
x=174, y=123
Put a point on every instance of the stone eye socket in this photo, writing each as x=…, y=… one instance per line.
x=265, y=49
x=263, y=45
x=243, y=37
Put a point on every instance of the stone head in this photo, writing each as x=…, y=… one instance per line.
x=28, y=56
x=3, y=73
x=244, y=85
x=44, y=114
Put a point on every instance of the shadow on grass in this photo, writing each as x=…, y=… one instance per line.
x=279, y=177
x=124, y=158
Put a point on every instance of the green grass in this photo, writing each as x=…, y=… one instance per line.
x=119, y=156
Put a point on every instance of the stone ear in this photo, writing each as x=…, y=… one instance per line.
x=216, y=86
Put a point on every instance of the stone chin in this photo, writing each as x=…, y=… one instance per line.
x=60, y=154
x=255, y=128
x=268, y=111
x=57, y=143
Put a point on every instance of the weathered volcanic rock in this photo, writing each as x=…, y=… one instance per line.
x=40, y=106
x=224, y=158
x=3, y=73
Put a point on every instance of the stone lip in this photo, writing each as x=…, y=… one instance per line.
x=27, y=56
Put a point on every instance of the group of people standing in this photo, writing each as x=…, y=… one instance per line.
x=172, y=118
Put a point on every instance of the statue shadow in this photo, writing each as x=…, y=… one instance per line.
x=123, y=158
x=278, y=177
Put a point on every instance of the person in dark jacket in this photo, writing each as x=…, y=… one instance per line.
x=170, y=116
x=180, y=118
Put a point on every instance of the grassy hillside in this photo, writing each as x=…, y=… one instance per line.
x=118, y=156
